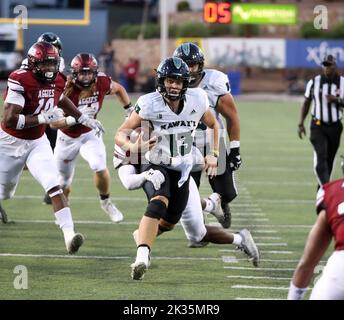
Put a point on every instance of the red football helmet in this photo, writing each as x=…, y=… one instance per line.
x=84, y=63
x=44, y=60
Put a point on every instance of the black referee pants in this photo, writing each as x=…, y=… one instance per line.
x=325, y=139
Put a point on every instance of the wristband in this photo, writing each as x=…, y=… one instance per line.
x=127, y=106
x=215, y=153
x=21, y=122
x=70, y=121
x=41, y=119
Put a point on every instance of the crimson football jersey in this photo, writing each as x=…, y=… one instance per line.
x=331, y=198
x=89, y=106
x=37, y=95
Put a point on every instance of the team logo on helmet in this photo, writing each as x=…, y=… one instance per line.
x=186, y=48
x=177, y=62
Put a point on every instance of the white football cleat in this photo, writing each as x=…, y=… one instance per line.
x=138, y=270
x=74, y=243
x=114, y=214
x=217, y=212
x=249, y=247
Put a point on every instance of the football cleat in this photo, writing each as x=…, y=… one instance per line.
x=114, y=214
x=227, y=215
x=249, y=247
x=74, y=243
x=3, y=215
x=217, y=212
x=194, y=244
x=138, y=270
x=46, y=199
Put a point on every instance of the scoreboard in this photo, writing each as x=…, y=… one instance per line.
x=214, y=12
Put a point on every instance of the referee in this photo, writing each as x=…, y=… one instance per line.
x=326, y=91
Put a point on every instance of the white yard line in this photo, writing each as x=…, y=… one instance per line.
x=259, y=269
x=272, y=244
x=267, y=238
x=254, y=277
x=62, y=256
x=73, y=198
x=241, y=298
x=235, y=219
x=240, y=286
x=262, y=251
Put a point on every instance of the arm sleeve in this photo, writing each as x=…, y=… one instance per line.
x=15, y=97
x=129, y=178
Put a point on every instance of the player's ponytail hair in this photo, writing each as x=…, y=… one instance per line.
x=85, y=92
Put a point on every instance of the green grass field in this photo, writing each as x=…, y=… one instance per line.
x=276, y=202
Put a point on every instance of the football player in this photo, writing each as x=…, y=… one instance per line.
x=87, y=89
x=221, y=103
x=198, y=234
x=329, y=224
x=174, y=112
x=56, y=42
x=30, y=104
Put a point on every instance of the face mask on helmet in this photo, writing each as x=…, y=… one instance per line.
x=193, y=56
x=85, y=77
x=169, y=70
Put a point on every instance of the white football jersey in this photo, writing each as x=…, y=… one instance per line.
x=175, y=131
x=216, y=84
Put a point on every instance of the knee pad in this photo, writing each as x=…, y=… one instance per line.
x=156, y=209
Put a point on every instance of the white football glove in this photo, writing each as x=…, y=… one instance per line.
x=52, y=115
x=92, y=123
x=155, y=177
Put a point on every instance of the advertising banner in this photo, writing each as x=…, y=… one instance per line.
x=309, y=53
x=265, y=53
x=259, y=13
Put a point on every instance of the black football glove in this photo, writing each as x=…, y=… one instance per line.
x=234, y=159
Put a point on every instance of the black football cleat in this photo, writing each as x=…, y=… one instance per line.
x=227, y=215
x=46, y=199
x=3, y=215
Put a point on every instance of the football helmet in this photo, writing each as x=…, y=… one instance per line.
x=191, y=54
x=44, y=60
x=174, y=68
x=51, y=38
x=84, y=62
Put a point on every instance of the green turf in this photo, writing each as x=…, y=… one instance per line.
x=276, y=180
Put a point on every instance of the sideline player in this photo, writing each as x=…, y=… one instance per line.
x=87, y=89
x=174, y=112
x=221, y=103
x=329, y=224
x=29, y=106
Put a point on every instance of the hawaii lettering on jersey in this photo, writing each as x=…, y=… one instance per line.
x=179, y=123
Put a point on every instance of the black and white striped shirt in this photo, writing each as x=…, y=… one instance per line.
x=317, y=89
